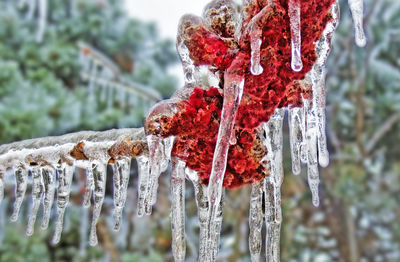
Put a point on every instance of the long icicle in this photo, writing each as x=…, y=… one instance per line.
x=256, y=217
x=99, y=175
x=49, y=179
x=1, y=188
x=255, y=43
x=178, y=209
x=21, y=181
x=295, y=32
x=65, y=175
x=89, y=186
x=37, y=193
x=296, y=137
x=357, y=9
x=272, y=185
x=121, y=172
x=233, y=89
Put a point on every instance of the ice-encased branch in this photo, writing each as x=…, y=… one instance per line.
x=51, y=150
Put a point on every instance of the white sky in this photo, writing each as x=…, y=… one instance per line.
x=166, y=14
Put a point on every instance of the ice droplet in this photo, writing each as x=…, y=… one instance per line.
x=65, y=174
x=121, y=172
x=357, y=9
x=295, y=32
x=21, y=180
x=178, y=209
x=37, y=193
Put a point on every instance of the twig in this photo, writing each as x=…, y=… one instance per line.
x=382, y=131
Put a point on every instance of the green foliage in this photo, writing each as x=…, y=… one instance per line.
x=41, y=92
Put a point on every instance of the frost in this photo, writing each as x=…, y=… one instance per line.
x=295, y=33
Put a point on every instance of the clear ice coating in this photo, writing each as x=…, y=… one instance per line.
x=178, y=209
x=357, y=9
x=295, y=34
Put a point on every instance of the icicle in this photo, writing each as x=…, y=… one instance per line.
x=99, y=175
x=312, y=152
x=65, y=174
x=3, y=215
x=37, y=193
x=89, y=186
x=296, y=137
x=357, y=9
x=42, y=20
x=200, y=191
x=121, y=172
x=255, y=43
x=272, y=184
x=1, y=188
x=213, y=241
x=233, y=90
x=256, y=217
x=295, y=34
x=83, y=230
x=21, y=179
x=31, y=10
x=49, y=180
x=156, y=157
x=178, y=210
x=143, y=170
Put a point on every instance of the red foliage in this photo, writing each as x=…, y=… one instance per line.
x=196, y=124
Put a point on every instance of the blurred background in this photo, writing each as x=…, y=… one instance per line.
x=98, y=64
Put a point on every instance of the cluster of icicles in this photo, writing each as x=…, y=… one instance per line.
x=307, y=142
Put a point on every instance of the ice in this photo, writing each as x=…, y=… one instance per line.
x=99, y=178
x=357, y=9
x=42, y=20
x=37, y=193
x=255, y=43
x=49, y=181
x=143, y=170
x=256, y=218
x=178, y=210
x=272, y=184
x=233, y=89
x=121, y=172
x=295, y=34
x=65, y=174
